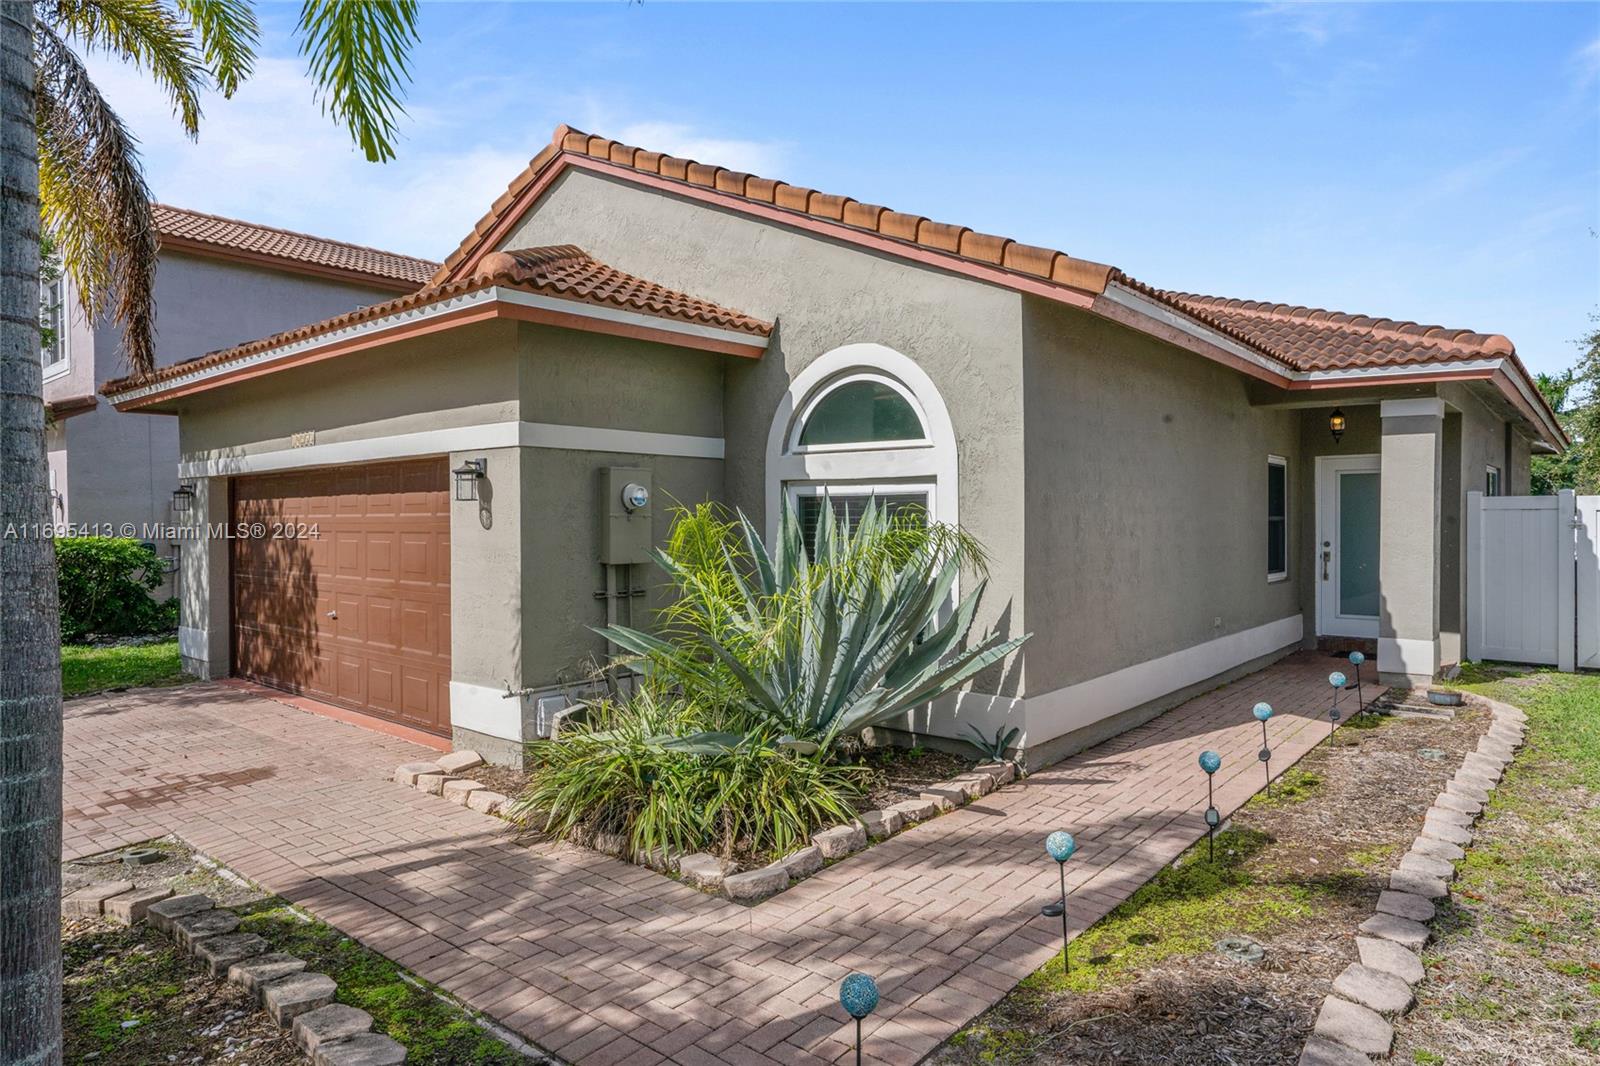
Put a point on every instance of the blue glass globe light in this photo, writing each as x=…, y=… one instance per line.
x=1263, y=711
x=1060, y=845
x=1356, y=658
x=1336, y=679
x=858, y=994
x=1210, y=762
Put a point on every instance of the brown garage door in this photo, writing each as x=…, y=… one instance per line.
x=357, y=614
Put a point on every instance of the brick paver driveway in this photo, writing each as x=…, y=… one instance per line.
x=600, y=961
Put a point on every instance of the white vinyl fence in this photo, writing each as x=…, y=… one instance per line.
x=1533, y=579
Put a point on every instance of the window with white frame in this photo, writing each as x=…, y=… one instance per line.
x=861, y=424
x=1277, y=518
x=1491, y=481
x=53, y=323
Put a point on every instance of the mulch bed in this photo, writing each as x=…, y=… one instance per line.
x=1341, y=819
x=904, y=772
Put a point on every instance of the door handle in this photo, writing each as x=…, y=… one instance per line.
x=335, y=614
x=1327, y=556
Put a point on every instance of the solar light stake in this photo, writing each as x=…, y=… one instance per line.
x=1356, y=659
x=858, y=994
x=1337, y=680
x=1211, y=762
x=1060, y=847
x=1263, y=711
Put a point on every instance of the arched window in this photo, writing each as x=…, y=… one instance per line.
x=861, y=423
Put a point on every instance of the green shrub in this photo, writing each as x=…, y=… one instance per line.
x=105, y=585
x=620, y=773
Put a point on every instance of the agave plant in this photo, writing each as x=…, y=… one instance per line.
x=818, y=645
x=993, y=748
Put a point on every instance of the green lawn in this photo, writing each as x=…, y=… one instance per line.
x=1516, y=962
x=91, y=669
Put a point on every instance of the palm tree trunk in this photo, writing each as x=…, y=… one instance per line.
x=30, y=651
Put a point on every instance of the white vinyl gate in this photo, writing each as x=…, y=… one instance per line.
x=1533, y=579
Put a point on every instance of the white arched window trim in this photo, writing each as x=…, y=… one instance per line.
x=880, y=467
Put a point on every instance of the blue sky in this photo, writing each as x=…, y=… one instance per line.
x=1425, y=161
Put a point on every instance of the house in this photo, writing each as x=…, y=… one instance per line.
x=219, y=281
x=1174, y=489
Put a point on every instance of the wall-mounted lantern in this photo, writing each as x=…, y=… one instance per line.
x=468, y=474
x=1336, y=424
x=183, y=498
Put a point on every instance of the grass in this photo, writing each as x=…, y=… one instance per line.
x=1184, y=910
x=436, y=1032
x=87, y=668
x=1521, y=924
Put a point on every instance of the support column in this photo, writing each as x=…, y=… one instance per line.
x=1409, y=553
x=205, y=581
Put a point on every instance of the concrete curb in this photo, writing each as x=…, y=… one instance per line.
x=1356, y=1021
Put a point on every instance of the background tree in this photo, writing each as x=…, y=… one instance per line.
x=68, y=162
x=1574, y=395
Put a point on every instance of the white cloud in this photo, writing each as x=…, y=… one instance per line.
x=1588, y=63
x=765, y=158
x=1314, y=23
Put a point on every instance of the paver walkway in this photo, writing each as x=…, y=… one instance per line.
x=602, y=962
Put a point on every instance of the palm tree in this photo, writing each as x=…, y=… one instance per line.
x=67, y=162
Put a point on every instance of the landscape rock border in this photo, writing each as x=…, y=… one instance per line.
x=1354, y=1023
x=331, y=1034
x=709, y=873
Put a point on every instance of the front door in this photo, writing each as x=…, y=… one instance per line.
x=1347, y=546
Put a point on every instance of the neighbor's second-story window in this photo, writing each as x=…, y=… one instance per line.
x=1491, y=481
x=52, y=322
x=1277, y=518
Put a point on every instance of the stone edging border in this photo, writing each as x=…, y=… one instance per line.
x=1352, y=1024
x=708, y=872
x=330, y=1034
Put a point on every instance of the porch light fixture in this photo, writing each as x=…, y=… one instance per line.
x=468, y=474
x=183, y=498
x=1336, y=424
x=1060, y=846
x=1211, y=762
x=1263, y=711
x=858, y=995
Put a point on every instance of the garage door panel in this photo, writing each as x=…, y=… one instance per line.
x=380, y=563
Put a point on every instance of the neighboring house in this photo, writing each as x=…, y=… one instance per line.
x=218, y=282
x=1155, y=475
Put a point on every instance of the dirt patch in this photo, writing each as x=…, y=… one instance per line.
x=130, y=998
x=501, y=779
x=902, y=773
x=1295, y=873
x=180, y=869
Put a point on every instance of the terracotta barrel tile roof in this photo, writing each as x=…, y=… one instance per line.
x=1310, y=338
x=179, y=225
x=562, y=271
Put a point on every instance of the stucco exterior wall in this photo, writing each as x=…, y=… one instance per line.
x=1146, y=499
x=966, y=335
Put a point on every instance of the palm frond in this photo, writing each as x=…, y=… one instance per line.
x=144, y=33
x=228, y=36
x=359, y=57
x=93, y=197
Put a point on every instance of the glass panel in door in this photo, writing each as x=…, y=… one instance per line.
x=1358, y=544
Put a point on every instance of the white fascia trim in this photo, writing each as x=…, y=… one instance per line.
x=458, y=439
x=486, y=710
x=628, y=318
x=493, y=294
x=1065, y=710
x=1118, y=293
x=1422, y=407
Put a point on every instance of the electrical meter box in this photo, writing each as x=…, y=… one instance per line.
x=627, y=504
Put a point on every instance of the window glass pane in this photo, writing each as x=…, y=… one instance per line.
x=861, y=412
x=53, y=346
x=849, y=509
x=1358, y=544
x=1277, y=546
x=1492, y=482
x=1277, y=490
